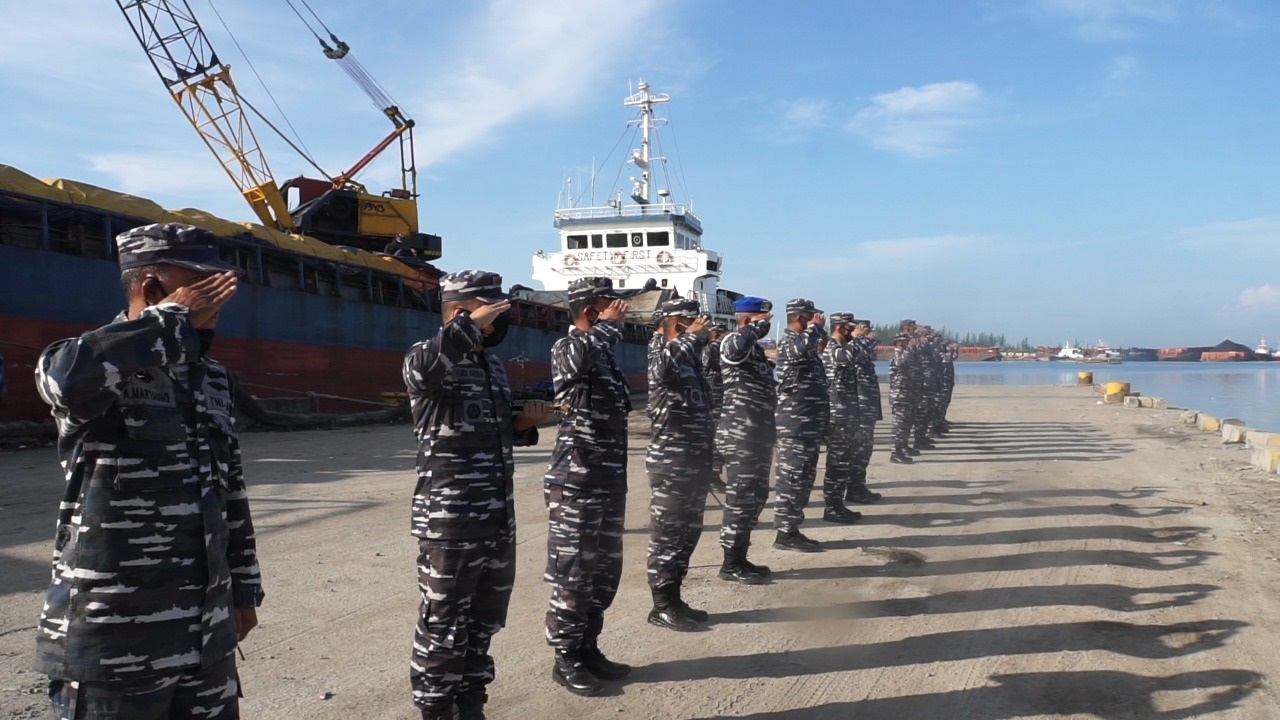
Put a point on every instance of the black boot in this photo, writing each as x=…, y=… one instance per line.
x=761, y=570
x=841, y=515
x=666, y=613
x=912, y=451
x=692, y=613
x=737, y=569
x=900, y=456
x=599, y=665
x=572, y=673
x=861, y=495
x=925, y=444
x=796, y=541
x=471, y=705
x=445, y=714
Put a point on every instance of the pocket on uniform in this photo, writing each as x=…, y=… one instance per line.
x=153, y=423
x=443, y=630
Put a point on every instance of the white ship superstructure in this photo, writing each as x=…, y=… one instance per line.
x=641, y=244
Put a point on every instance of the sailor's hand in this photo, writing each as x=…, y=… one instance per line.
x=533, y=413
x=483, y=316
x=699, y=326
x=205, y=298
x=817, y=320
x=862, y=331
x=616, y=311
x=246, y=620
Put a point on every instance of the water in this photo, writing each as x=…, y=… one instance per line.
x=1249, y=391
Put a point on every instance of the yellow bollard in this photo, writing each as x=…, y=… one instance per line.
x=1117, y=388
x=1084, y=377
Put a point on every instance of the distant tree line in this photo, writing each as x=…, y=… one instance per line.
x=981, y=339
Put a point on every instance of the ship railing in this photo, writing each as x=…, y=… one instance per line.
x=624, y=211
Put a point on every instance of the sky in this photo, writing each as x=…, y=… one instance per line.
x=1056, y=170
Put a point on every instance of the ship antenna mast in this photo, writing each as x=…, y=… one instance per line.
x=645, y=100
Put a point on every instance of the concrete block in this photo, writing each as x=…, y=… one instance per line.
x=1260, y=439
x=1115, y=398
x=1189, y=417
x=1132, y=401
x=1265, y=459
x=1208, y=423
x=1158, y=403
x=1146, y=402
x=1234, y=433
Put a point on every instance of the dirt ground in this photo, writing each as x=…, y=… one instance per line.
x=1053, y=558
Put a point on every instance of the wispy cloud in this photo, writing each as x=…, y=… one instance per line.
x=1261, y=298
x=898, y=253
x=524, y=58
x=1251, y=235
x=922, y=121
x=1108, y=20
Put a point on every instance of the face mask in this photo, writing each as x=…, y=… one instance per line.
x=764, y=326
x=206, y=340
x=494, y=334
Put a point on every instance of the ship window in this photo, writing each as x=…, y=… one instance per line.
x=597, y=241
x=657, y=239
x=712, y=265
x=622, y=283
x=577, y=242
x=616, y=240
x=664, y=282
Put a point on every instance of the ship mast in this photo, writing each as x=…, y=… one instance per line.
x=645, y=100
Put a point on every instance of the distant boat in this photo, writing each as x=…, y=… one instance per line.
x=1227, y=351
x=1137, y=354
x=1181, y=354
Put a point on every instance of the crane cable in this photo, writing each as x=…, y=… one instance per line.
x=304, y=151
x=340, y=52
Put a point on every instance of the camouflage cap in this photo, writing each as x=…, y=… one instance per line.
x=801, y=305
x=907, y=322
x=901, y=337
x=171, y=244
x=842, y=318
x=472, y=285
x=677, y=308
x=592, y=288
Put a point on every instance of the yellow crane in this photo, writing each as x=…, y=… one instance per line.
x=336, y=209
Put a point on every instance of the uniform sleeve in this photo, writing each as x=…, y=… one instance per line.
x=737, y=345
x=608, y=332
x=570, y=358
x=428, y=362
x=80, y=378
x=686, y=349
x=242, y=546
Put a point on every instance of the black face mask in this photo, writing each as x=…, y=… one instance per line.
x=764, y=326
x=206, y=340
x=495, y=333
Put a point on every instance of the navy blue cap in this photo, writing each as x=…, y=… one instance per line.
x=751, y=304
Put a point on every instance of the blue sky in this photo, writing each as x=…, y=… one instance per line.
x=1054, y=169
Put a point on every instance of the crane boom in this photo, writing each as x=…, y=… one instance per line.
x=202, y=87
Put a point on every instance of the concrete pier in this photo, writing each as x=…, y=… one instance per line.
x=1055, y=557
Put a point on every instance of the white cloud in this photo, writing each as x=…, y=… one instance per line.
x=1108, y=20
x=171, y=179
x=920, y=121
x=1263, y=297
x=523, y=58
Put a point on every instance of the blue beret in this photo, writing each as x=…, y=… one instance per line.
x=752, y=305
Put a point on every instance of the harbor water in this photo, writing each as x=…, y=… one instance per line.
x=1249, y=391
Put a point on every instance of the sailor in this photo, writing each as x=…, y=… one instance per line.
x=586, y=486
x=155, y=571
x=900, y=398
x=711, y=371
x=840, y=365
x=745, y=436
x=801, y=419
x=950, y=355
x=463, y=509
x=863, y=342
x=678, y=461
x=929, y=387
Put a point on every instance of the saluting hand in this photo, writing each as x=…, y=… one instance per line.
x=817, y=319
x=699, y=326
x=484, y=316
x=205, y=298
x=616, y=311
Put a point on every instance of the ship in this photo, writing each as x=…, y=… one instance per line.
x=321, y=314
x=650, y=246
x=1227, y=351
x=1180, y=354
x=1140, y=354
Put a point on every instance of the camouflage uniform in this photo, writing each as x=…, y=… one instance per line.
x=801, y=419
x=900, y=396
x=869, y=410
x=745, y=432
x=463, y=507
x=715, y=380
x=586, y=482
x=840, y=364
x=931, y=389
x=155, y=546
x=678, y=462
x=949, y=357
